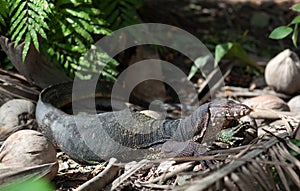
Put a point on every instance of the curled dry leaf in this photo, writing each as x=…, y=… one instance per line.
x=28, y=148
x=267, y=102
x=15, y=114
x=283, y=72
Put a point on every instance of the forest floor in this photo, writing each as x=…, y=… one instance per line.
x=215, y=22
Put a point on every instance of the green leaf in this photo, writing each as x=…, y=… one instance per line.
x=295, y=35
x=20, y=35
x=113, y=16
x=221, y=50
x=79, y=14
x=296, y=20
x=199, y=63
x=16, y=33
x=34, y=37
x=20, y=21
x=38, y=10
x=38, y=19
x=87, y=26
x=29, y=184
x=4, y=8
x=2, y=21
x=296, y=7
x=110, y=7
x=14, y=6
x=280, y=32
x=91, y=11
x=26, y=46
x=38, y=28
x=19, y=11
x=235, y=50
x=80, y=30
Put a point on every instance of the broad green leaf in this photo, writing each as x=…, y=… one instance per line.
x=235, y=50
x=34, y=37
x=238, y=52
x=296, y=7
x=20, y=35
x=19, y=21
x=26, y=46
x=295, y=35
x=296, y=20
x=199, y=63
x=19, y=11
x=221, y=50
x=280, y=32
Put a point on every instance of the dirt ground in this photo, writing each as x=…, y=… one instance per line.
x=217, y=21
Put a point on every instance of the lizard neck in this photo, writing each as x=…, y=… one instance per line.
x=185, y=129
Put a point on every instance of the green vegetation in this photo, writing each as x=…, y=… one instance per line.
x=29, y=185
x=283, y=31
x=66, y=29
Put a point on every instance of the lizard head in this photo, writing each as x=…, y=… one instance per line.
x=228, y=109
x=221, y=114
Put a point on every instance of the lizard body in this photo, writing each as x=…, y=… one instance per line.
x=132, y=136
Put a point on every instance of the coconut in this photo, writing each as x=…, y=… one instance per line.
x=267, y=102
x=283, y=72
x=294, y=104
x=27, y=148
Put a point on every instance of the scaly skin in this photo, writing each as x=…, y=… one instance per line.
x=114, y=134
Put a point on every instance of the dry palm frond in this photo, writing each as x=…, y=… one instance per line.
x=266, y=164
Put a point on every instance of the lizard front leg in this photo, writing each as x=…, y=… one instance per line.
x=185, y=149
x=182, y=149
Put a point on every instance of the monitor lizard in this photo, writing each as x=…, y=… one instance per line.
x=130, y=135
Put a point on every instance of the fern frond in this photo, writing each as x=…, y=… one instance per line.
x=26, y=46
x=72, y=27
x=120, y=13
x=28, y=20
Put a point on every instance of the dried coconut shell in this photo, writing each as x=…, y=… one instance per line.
x=283, y=72
x=294, y=104
x=267, y=102
x=15, y=114
x=28, y=148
